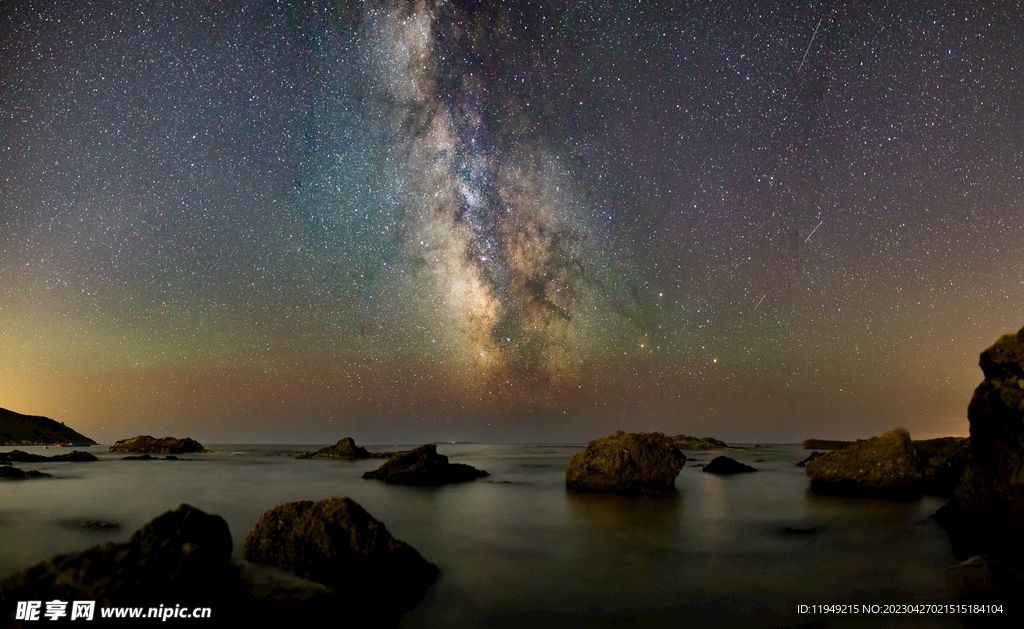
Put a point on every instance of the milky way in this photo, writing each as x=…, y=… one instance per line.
x=538, y=220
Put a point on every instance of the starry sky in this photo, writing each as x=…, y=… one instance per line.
x=407, y=221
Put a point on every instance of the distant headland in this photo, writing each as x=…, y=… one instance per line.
x=34, y=430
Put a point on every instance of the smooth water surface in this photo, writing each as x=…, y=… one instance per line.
x=517, y=549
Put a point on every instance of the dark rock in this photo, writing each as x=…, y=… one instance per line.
x=77, y=456
x=626, y=462
x=141, y=457
x=942, y=463
x=988, y=580
x=884, y=466
x=810, y=458
x=725, y=465
x=34, y=430
x=336, y=542
x=180, y=557
x=986, y=512
x=8, y=472
x=151, y=445
x=760, y=461
x=793, y=530
x=171, y=457
x=423, y=466
x=99, y=525
x=346, y=449
x=686, y=442
x=827, y=444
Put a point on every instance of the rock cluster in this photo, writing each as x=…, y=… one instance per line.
x=626, y=462
x=149, y=445
x=725, y=465
x=886, y=465
x=9, y=472
x=183, y=557
x=346, y=449
x=423, y=466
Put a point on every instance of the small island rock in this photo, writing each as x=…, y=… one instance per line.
x=626, y=462
x=336, y=542
x=423, y=466
x=725, y=465
x=77, y=456
x=686, y=442
x=149, y=445
x=885, y=466
x=346, y=449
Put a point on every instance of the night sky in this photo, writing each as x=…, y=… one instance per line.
x=521, y=221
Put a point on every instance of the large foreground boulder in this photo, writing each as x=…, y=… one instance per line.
x=986, y=512
x=626, y=462
x=423, y=466
x=144, y=444
x=885, y=466
x=182, y=557
x=336, y=542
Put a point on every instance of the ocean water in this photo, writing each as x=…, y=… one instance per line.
x=518, y=549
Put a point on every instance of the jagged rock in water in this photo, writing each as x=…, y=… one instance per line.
x=150, y=445
x=725, y=465
x=626, y=462
x=423, y=466
x=810, y=458
x=827, y=444
x=986, y=512
x=77, y=456
x=884, y=466
x=336, y=542
x=346, y=449
x=942, y=463
x=686, y=442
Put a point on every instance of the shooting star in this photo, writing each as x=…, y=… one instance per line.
x=809, y=45
x=758, y=304
x=812, y=231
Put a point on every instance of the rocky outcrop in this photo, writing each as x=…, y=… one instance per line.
x=150, y=457
x=725, y=465
x=827, y=444
x=145, y=444
x=986, y=512
x=76, y=456
x=9, y=472
x=885, y=466
x=942, y=463
x=336, y=542
x=182, y=557
x=423, y=466
x=686, y=442
x=346, y=449
x=626, y=462
x=810, y=458
x=35, y=430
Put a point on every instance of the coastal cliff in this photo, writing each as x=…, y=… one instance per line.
x=35, y=430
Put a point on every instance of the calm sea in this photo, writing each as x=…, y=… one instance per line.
x=517, y=549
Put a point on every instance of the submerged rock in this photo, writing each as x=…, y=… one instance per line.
x=885, y=466
x=346, y=449
x=725, y=465
x=423, y=466
x=9, y=472
x=336, y=542
x=77, y=456
x=150, y=445
x=626, y=462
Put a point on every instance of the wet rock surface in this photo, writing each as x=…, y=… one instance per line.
x=884, y=466
x=725, y=465
x=337, y=543
x=423, y=466
x=626, y=462
x=145, y=444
